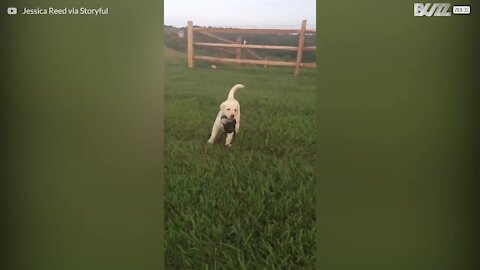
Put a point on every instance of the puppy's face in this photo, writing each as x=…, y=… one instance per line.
x=230, y=108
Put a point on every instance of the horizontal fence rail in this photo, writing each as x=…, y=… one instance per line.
x=252, y=31
x=239, y=46
x=256, y=62
x=266, y=47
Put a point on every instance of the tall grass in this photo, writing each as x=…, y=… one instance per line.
x=250, y=206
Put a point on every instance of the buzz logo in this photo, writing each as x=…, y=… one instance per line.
x=437, y=9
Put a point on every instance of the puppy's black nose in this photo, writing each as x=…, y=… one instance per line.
x=232, y=116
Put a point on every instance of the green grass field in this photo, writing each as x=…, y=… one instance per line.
x=251, y=206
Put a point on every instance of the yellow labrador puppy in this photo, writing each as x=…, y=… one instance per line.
x=228, y=118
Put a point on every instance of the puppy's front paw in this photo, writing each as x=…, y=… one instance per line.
x=210, y=142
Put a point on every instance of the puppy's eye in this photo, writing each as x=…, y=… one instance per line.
x=235, y=109
x=228, y=109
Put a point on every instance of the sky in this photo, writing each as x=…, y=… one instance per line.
x=239, y=12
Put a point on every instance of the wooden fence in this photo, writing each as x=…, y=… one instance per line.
x=239, y=47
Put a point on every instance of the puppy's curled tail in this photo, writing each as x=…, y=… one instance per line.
x=231, y=94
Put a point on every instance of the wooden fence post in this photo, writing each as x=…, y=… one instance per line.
x=239, y=51
x=190, y=44
x=301, y=41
